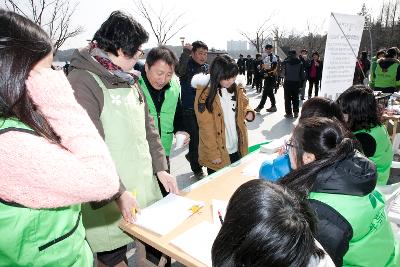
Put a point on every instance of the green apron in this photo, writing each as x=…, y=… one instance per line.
x=41, y=237
x=123, y=120
x=383, y=155
x=373, y=243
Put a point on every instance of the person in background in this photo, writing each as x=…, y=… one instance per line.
x=258, y=73
x=52, y=155
x=279, y=230
x=105, y=84
x=221, y=109
x=162, y=93
x=66, y=68
x=380, y=54
x=268, y=69
x=249, y=70
x=339, y=183
x=314, y=74
x=241, y=64
x=280, y=74
x=306, y=66
x=386, y=76
x=363, y=66
x=294, y=75
x=193, y=60
x=363, y=118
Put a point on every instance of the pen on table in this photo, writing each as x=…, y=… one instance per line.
x=220, y=217
x=133, y=210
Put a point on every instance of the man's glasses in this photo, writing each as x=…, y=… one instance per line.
x=139, y=53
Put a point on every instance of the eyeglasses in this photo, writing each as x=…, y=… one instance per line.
x=139, y=53
x=289, y=145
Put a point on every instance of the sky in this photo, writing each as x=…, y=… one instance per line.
x=215, y=22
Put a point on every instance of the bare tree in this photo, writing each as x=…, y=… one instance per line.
x=164, y=24
x=259, y=38
x=54, y=16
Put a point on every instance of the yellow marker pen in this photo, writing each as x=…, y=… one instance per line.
x=134, y=209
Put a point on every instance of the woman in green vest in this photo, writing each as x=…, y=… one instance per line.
x=106, y=85
x=363, y=118
x=51, y=155
x=339, y=183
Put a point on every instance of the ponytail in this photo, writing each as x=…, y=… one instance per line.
x=302, y=179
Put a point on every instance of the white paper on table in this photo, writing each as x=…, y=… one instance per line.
x=197, y=241
x=273, y=146
x=253, y=168
x=166, y=214
x=218, y=205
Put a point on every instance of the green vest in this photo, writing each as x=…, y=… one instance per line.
x=123, y=121
x=383, y=154
x=373, y=243
x=384, y=79
x=41, y=237
x=165, y=120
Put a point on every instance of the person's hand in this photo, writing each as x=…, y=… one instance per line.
x=168, y=181
x=216, y=161
x=187, y=137
x=281, y=150
x=128, y=206
x=250, y=116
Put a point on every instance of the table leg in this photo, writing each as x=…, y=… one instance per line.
x=141, y=256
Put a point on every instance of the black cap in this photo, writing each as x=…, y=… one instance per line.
x=292, y=53
x=268, y=46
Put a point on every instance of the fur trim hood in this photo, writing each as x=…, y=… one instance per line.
x=201, y=80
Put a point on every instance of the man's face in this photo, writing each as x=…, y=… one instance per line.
x=315, y=57
x=200, y=55
x=159, y=74
x=304, y=54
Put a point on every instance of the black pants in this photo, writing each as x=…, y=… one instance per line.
x=312, y=82
x=233, y=157
x=269, y=84
x=258, y=82
x=241, y=71
x=113, y=257
x=192, y=128
x=389, y=90
x=249, y=77
x=291, y=93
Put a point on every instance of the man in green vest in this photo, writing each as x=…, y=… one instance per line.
x=162, y=92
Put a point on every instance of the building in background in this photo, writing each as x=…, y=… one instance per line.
x=236, y=45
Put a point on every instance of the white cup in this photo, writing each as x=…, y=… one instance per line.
x=180, y=139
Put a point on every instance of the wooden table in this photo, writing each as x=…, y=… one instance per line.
x=221, y=185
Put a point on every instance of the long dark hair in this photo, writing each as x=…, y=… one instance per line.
x=323, y=137
x=359, y=104
x=223, y=67
x=265, y=225
x=22, y=45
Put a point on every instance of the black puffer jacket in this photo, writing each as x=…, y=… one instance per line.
x=355, y=176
